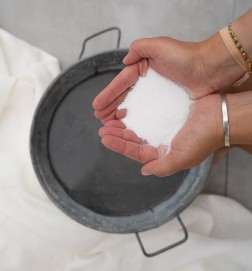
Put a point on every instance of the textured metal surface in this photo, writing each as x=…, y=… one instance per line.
x=91, y=184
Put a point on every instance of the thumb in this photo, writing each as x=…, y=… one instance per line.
x=160, y=167
x=139, y=49
x=164, y=166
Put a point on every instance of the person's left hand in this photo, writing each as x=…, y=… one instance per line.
x=200, y=136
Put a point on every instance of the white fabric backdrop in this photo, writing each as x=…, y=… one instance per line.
x=35, y=235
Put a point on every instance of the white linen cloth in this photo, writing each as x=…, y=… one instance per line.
x=36, y=236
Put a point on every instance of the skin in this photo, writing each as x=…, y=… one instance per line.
x=204, y=69
x=186, y=63
x=187, y=149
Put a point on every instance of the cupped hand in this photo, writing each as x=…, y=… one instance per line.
x=176, y=60
x=201, y=135
x=194, y=65
x=106, y=103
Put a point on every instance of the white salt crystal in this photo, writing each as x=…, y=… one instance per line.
x=157, y=108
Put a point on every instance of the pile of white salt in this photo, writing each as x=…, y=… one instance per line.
x=157, y=108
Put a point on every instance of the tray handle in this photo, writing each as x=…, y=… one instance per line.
x=98, y=34
x=155, y=253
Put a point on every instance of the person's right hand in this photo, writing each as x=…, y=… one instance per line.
x=201, y=135
x=194, y=65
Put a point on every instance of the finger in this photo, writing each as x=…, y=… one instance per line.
x=114, y=115
x=139, y=49
x=103, y=113
x=122, y=82
x=135, y=151
x=111, y=116
x=120, y=114
x=115, y=123
x=121, y=133
x=165, y=166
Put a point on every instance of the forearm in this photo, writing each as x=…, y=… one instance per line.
x=242, y=30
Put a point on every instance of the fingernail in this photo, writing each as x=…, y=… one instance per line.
x=100, y=132
x=145, y=173
x=125, y=58
x=95, y=114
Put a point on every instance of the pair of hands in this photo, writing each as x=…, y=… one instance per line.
x=188, y=64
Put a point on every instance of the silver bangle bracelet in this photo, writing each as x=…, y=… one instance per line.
x=225, y=120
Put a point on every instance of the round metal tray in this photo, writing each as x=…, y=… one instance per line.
x=96, y=187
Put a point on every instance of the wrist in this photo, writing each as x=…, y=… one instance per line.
x=220, y=67
x=240, y=117
x=211, y=111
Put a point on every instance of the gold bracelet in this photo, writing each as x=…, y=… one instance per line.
x=240, y=48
